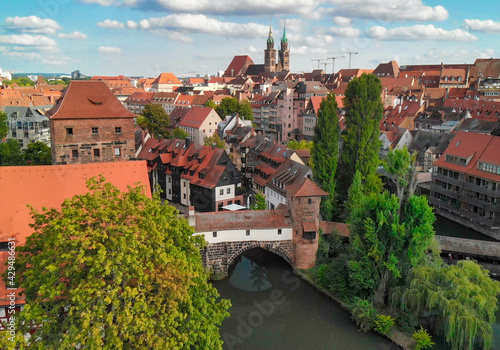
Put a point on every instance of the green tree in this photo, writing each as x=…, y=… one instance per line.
x=111, y=270
x=215, y=139
x=4, y=127
x=461, y=299
x=355, y=196
x=156, y=120
x=230, y=105
x=361, y=146
x=245, y=110
x=302, y=144
x=385, y=243
x=179, y=133
x=259, y=202
x=324, y=153
x=400, y=166
x=38, y=153
x=10, y=153
x=211, y=104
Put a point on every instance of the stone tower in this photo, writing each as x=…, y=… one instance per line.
x=270, y=53
x=284, y=53
x=304, y=199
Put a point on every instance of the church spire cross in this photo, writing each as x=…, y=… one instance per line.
x=270, y=38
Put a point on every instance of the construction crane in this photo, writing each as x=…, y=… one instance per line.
x=350, y=54
x=333, y=62
x=324, y=64
x=317, y=59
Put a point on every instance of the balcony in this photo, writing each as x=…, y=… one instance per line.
x=455, y=208
x=481, y=189
x=449, y=193
x=448, y=179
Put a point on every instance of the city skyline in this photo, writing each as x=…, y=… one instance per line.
x=147, y=37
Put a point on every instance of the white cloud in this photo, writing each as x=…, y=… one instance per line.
x=248, y=50
x=349, y=32
x=460, y=55
x=203, y=24
x=56, y=61
x=74, y=35
x=307, y=50
x=111, y=24
x=110, y=50
x=342, y=21
x=132, y=25
x=420, y=32
x=33, y=24
x=243, y=7
x=29, y=40
x=22, y=55
x=482, y=26
x=390, y=10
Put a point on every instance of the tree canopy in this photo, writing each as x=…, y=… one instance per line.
x=230, y=105
x=38, y=153
x=111, y=270
x=361, y=145
x=259, y=201
x=325, y=152
x=179, y=133
x=4, y=127
x=215, y=139
x=302, y=144
x=461, y=299
x=156, y=120
x=11, y=153
x=386, y=242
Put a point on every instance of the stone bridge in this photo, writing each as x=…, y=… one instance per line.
x=220, y=256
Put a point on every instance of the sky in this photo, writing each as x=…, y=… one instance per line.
x=191, y=37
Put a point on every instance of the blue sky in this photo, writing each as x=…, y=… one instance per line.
x=187, y=37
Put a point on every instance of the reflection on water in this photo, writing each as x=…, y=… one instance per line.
x=274, y=309
x=249, y=276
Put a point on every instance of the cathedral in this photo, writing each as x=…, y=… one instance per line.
x=270, y=64
x=243, y=65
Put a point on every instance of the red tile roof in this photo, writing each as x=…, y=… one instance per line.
x=88, y=100
x=48, y=186
x=238, y=65
x=167, y=78
x=241, y=219
x=195, y=116
x=305, y=187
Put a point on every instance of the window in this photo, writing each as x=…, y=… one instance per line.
x=214, y=234
x=118, y=151
x=118, y=129
x=184, y=196
x=69, y=131
x=169, y=180
x=74, y=153
x=248, y=232
x=95, y=131
x=228, y=191
x=4, y=246
x=221, y=191
x=97, y=152
x=279, y=231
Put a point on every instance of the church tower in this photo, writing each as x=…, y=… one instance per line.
x=270, y=53
x=284, y=53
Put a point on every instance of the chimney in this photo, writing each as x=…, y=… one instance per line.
x=188, y=142
x=192, y=218
x=400, y=106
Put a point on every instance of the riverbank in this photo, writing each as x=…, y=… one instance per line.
x=403, y=340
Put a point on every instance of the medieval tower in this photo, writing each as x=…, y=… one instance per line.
x=270, y=54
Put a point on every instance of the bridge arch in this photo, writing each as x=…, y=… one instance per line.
x=274, y=248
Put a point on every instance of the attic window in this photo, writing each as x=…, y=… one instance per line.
x=458, y=143
x=96, y=101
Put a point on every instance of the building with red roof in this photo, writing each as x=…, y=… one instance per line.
x=199, y=122
x=89, y=124
x=238, y=65
x=466, y=182
x=192, y=174
x=48, y=186
x=136, y=102
x=165, y=82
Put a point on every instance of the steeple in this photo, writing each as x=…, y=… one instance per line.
x=270, y=39
x=284, y=53
x=284, y=39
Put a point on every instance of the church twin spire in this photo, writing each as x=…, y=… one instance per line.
x=270, y=53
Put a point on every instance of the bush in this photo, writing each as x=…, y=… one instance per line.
x=407, y=321
x=423, y=339
x=364, y=314
x=384, y=324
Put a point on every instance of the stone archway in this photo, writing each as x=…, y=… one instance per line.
x=282, y=248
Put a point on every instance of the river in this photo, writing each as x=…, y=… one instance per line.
x=274, y=309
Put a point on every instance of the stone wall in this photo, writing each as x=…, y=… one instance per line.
x=85, y=142
x=219, y=256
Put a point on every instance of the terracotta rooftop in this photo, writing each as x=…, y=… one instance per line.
x=238, y=65
x=167, y=78
x=48, y=186
x=242, y=219
x=88, y=100
x=305, y=187
x=195, y=116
